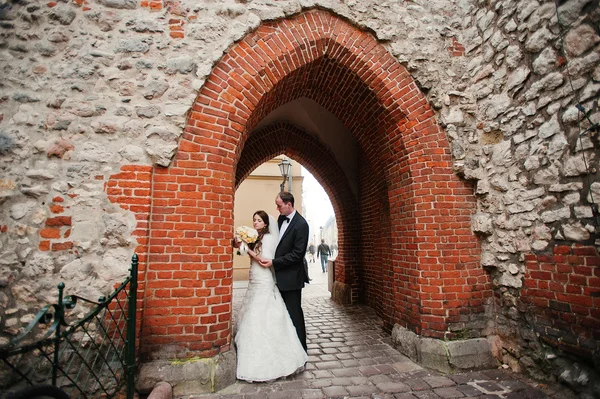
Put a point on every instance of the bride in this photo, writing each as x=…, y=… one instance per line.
x=267, y=343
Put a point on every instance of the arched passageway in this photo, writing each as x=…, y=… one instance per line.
x=406, y=245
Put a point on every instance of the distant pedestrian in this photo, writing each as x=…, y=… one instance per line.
x=324, y=252
x=311, y=251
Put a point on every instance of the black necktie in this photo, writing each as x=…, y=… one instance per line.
x=281, y=219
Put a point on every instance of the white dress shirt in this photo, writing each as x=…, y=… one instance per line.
x=285, y=224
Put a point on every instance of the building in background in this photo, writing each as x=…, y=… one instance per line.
x=257, y=192
x=329, y=233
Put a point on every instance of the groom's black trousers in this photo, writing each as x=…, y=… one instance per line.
x=293, y=303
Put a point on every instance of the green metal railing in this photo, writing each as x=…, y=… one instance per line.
x=87, y=358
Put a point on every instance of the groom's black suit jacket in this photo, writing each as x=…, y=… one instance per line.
x=289, y=257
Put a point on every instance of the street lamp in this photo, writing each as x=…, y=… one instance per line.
x=284, y=168
x=321, y=232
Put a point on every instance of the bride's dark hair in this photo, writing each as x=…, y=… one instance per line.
x=258, y=244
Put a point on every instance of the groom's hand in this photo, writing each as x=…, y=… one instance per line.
x=266, y=263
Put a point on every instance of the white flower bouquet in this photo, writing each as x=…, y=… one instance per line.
x=247, y=235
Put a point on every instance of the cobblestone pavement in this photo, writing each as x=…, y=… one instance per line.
x=350, y=356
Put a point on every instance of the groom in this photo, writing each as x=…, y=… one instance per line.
x=289, y=260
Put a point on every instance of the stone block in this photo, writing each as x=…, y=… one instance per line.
x=405, y=341
x=225, y=370
x=471, y=354
x=444, y=356
x=342, y=293
x=189, y=376
x=433, y=354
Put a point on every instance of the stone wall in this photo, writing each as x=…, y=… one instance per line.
x=516, y=132
x=94, y=93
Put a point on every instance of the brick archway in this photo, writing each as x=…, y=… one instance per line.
x=416, y=257
x=285, y=138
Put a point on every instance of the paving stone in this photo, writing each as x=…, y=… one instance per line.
x=332, y=344
x=285, y=395
x=439, y=381
x=380, y=395
x=367, y=362
x=513, y=385
x=368, y=371
x=417, y=384
x=333, y=392
x=293, y=384
x=322, y=373
x=351, y=363
x=490, y=386
x=312, y=394
x=348, y=372
x=377, y=379
x=426, y=395
x=305, y=375
x=361, y=389
x=406, y=367
x=385, y=369
x=327, y=358
x=359, y=380
x=449, y=392
x=393, y=387
x=496, y=374
x=328, y=365
x=341, y=381
x=321, y=383
x=404, y=396
x=344, y=356
x=469, y=390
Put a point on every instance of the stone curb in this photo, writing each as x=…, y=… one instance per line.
x=444, y=356
x=189, y=376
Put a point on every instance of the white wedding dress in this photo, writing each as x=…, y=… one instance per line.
x=267, y=344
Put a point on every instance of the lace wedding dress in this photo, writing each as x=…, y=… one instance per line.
x=267, y=344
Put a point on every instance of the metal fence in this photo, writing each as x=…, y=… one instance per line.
x=86, y=358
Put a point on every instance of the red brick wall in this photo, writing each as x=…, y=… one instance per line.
x=131, y=189
x=562, y=295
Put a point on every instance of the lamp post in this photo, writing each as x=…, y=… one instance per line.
x=284, y=168
x=321, y=232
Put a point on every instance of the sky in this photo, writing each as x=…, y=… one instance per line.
x=316, y=202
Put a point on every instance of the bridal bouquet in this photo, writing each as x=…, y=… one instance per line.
x=247, y=235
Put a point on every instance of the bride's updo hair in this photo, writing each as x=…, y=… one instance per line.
x=265, y=218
